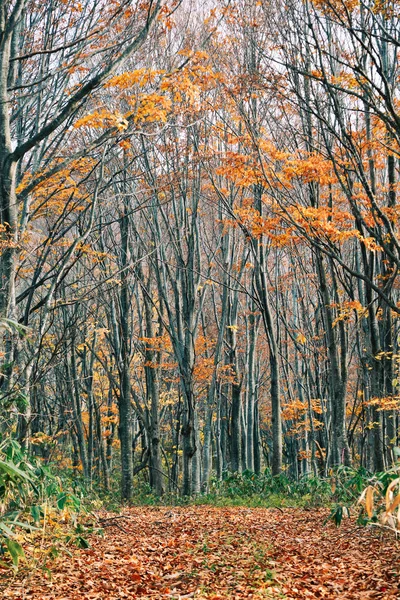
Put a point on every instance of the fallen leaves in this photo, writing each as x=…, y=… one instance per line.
x=219, y=553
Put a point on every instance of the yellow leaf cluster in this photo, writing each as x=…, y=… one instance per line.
x=129, y=79
x=103, y=119
x=312, y=168
x=347, y=309
x=152, y=108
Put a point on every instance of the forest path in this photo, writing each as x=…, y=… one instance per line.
x=217, y=553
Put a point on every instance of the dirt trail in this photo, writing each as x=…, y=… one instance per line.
x=217, y=553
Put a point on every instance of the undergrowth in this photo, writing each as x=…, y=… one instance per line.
x=343, y=486
x=37, y=509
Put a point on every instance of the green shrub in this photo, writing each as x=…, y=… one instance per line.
x=28, y=494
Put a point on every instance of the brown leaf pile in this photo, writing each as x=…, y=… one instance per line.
x=215, y=553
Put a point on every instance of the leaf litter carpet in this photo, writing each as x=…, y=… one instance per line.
x=216, y=553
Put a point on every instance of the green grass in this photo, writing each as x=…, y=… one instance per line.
x=254, y=491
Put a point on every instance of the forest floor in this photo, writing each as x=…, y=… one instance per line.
x=215, y=553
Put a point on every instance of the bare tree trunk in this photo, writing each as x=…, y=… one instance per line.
x=251, y=438
x=124, y=403
x=196, y=462
x=261, y=285
x=153, y=397
x=73, y=383
x=339, y=451
x=207, y=451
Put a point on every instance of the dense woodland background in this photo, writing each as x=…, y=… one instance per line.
x=199, y=236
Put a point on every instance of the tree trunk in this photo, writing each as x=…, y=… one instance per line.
x=124, y=404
